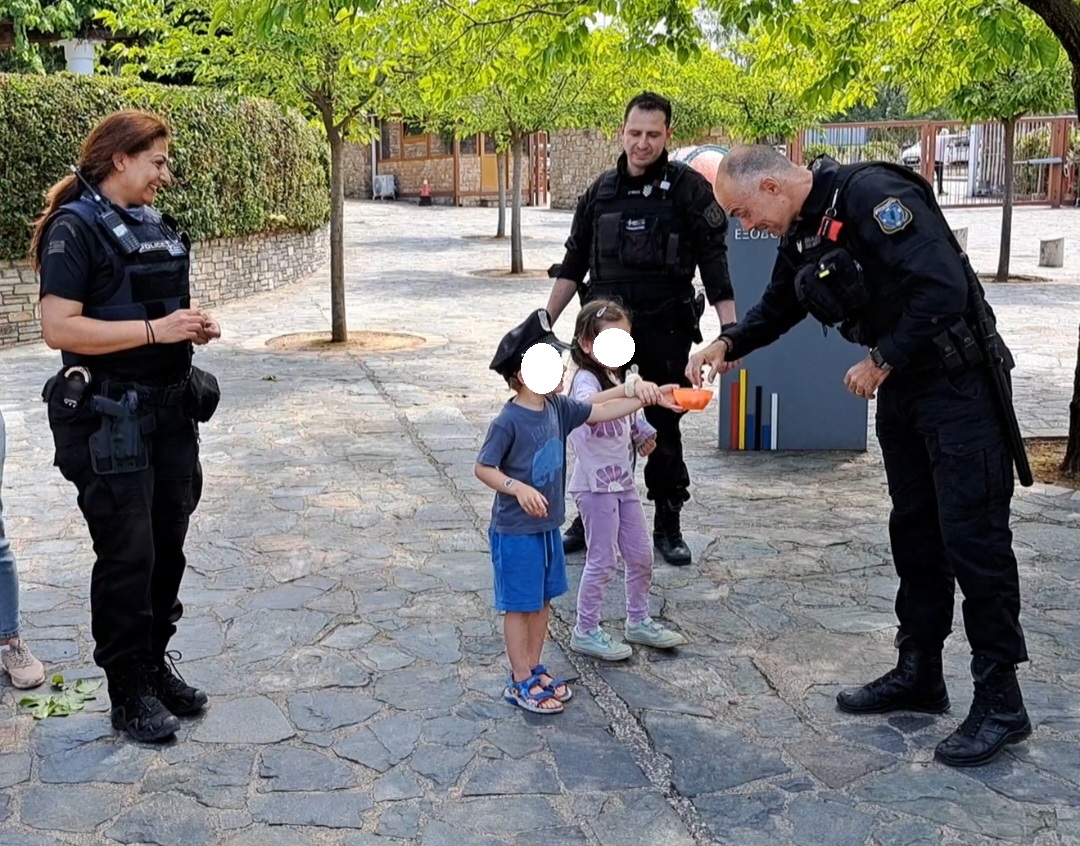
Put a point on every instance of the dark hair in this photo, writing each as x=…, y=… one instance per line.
x=129, y=131
x=647, y=101
x=589, y=320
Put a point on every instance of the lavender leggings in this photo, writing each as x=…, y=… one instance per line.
x=614, y=524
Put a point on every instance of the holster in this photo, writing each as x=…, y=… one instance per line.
x=203, y=395
x=119, y=446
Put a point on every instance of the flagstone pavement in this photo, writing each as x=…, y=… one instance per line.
x=338, y=606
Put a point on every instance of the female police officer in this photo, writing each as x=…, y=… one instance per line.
x=124, y=410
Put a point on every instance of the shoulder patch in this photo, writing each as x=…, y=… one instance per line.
x=714, y=215
x=892, y=216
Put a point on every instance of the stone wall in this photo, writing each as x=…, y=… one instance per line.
x=578, y=156
x=356, y=162
x=223, y=269
x=411, y=174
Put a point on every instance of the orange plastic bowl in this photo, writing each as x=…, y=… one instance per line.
x=692, y=399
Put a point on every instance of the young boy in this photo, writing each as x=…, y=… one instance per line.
x=523, y=459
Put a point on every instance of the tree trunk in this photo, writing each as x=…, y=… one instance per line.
x=1005, y=250
x=1063, y=18
x=500, y=163
x=339, y=332
x=517, y=264
x=1071, y=465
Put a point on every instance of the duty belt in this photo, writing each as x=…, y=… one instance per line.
x=160, y=396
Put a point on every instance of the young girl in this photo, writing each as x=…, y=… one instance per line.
x=602, y=484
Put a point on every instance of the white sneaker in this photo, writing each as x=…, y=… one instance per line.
x=599, y=644
x=25, y=670
x=650, y=633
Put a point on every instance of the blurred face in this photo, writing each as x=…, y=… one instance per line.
x=139, y=176
x=587, y=346
x=643, y=137
x=765, y=206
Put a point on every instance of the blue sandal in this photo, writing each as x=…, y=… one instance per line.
x=541, y=670
x=520, y=694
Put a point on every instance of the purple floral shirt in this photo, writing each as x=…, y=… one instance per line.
x=604, y=452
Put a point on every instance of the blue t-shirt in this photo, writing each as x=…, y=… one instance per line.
x=530, y=446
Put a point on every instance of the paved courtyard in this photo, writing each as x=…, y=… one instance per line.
x=338, y=607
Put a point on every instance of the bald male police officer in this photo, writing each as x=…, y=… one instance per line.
x=639, y=232
x=865, y=247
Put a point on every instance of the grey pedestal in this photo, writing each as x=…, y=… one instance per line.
x=790, y=395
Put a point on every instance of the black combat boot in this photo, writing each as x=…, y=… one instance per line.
x=177, y=695
x=135, y=706
x=996, y=719
x=916, y=684
x=573, y=539
x=667, y=534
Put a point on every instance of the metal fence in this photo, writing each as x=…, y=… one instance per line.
x=964, y=162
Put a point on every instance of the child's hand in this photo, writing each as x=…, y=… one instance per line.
x=647, y=392
x=667, y=399
x=532, y=502
x=647, y=447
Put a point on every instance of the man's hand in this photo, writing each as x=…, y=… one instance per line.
x=864, y=378
x=714, y=355
x=532, y=502
x=646, y=447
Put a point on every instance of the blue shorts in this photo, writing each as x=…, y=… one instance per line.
x=530, y=570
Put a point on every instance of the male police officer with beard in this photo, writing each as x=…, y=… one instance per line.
x=639, y=231
x=866, y=247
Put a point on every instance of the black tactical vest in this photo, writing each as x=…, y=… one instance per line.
x=637, y=238
x=150, y=281
x=803, y=245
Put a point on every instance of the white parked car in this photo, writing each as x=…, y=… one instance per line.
x=956, y=151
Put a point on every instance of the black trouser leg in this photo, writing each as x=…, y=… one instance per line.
x=971, y=473
x=661, y=357
x=973, y=476
x=924, y=598
x=177, y=490
x=939, y=172
x=117, y=513
x=133, y=592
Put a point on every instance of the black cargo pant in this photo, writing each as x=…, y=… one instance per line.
x=951, y=481
x=661, y=356
x=138, y=523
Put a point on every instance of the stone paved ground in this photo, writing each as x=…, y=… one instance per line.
x=338, y=612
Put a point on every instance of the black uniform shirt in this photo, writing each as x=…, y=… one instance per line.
x=890, y=227
x=705, y=227
x=75, y=266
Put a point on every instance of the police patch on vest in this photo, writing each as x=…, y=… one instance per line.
x=174, y=248
x=714, y=216
x=892, y=215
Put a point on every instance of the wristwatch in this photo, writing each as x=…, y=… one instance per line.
x=879, y=361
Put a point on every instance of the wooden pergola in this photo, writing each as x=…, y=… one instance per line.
x=86, y=33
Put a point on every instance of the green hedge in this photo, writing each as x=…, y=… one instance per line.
x=245, y=165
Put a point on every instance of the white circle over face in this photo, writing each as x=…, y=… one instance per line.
x=541, y=368
x=613, y=347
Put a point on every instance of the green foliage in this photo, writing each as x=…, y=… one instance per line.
x=63, y=19
x=816, y=149
x=68, y=698
x=880, y=151
x=245, y=165
x=842, y=53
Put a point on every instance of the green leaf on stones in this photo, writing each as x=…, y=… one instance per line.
x=69, y=698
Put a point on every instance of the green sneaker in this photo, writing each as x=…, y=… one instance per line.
x=650, y=633
x=599, y=644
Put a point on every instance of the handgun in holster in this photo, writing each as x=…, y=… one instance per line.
x=119, y=446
